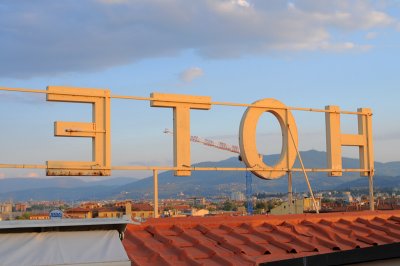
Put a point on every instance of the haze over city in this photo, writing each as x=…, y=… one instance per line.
x=303, y=53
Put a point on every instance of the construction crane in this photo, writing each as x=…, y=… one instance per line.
x=231, y=148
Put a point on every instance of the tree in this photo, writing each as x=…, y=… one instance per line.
x=261, y=205
x=24, y=216
x=228, y=206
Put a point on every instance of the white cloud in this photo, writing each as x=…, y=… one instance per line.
x=343, y=47
x=190, y=74
x=371, y=35
x=291, y=6
x=242, y=3
x=65, y=36
x=2, y=175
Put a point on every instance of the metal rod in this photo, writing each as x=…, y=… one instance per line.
x=287, y=108
x=305, y=173
x=212, y=103
x=155, y=176
x=289, y=173
x=29, y=166
x=170, y=168
x=69, y=130
x=22, y=90
x=290, y=192
x=371, y=191
x=137, y=98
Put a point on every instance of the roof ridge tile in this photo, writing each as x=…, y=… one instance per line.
x=250, y=240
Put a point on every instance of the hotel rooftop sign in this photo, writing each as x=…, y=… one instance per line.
x=99, y=131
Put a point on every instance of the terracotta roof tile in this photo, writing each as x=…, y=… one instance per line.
x=250, y=240
x=142, y=207
x=77, y=209
x=109, y=209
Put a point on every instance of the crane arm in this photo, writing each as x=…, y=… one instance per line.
x=208, y=142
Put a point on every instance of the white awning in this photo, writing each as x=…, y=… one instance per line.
x=63, y=248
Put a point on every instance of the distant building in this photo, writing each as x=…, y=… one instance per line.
x=123, y=203
x=196, y=212
x=142, y=210
x=201, y=212
x=196, y=201
x=348, y=197
x=91, y=205
x=6, y=207
x=238, y=196
x=20, y=207
x=128, y=208
x=79, y=213
x=39, y=216
x=298, y=207
x=176, y=210
x=109, y=212
x=241, y=209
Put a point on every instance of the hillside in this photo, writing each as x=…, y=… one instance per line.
x=65, y=188
x=201, y=183
x=208, y=183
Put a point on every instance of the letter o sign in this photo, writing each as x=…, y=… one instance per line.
x=247, y=138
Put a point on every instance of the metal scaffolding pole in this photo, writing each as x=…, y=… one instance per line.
x=290, y=192
x=305, y=174
x=371, y=192
x=155, y=176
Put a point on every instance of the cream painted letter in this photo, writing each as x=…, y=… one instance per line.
x=98, y=130
x=335, y=140
x=247, y=138
x=181, y=105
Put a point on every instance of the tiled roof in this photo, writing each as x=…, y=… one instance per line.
x=77, y=209
x=39, y=214
x=142, y=207
x=251, y=240
x=109, y=209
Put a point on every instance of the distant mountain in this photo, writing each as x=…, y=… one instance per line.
x=116, y=181
x=57, y=188
x=209, y=183
x=17, y=184
x=200, y=183
x=387, y=169
x=379, y=182
x=20, y=183
x=57, y=193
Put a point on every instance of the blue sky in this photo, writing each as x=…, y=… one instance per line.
x=304, y=53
